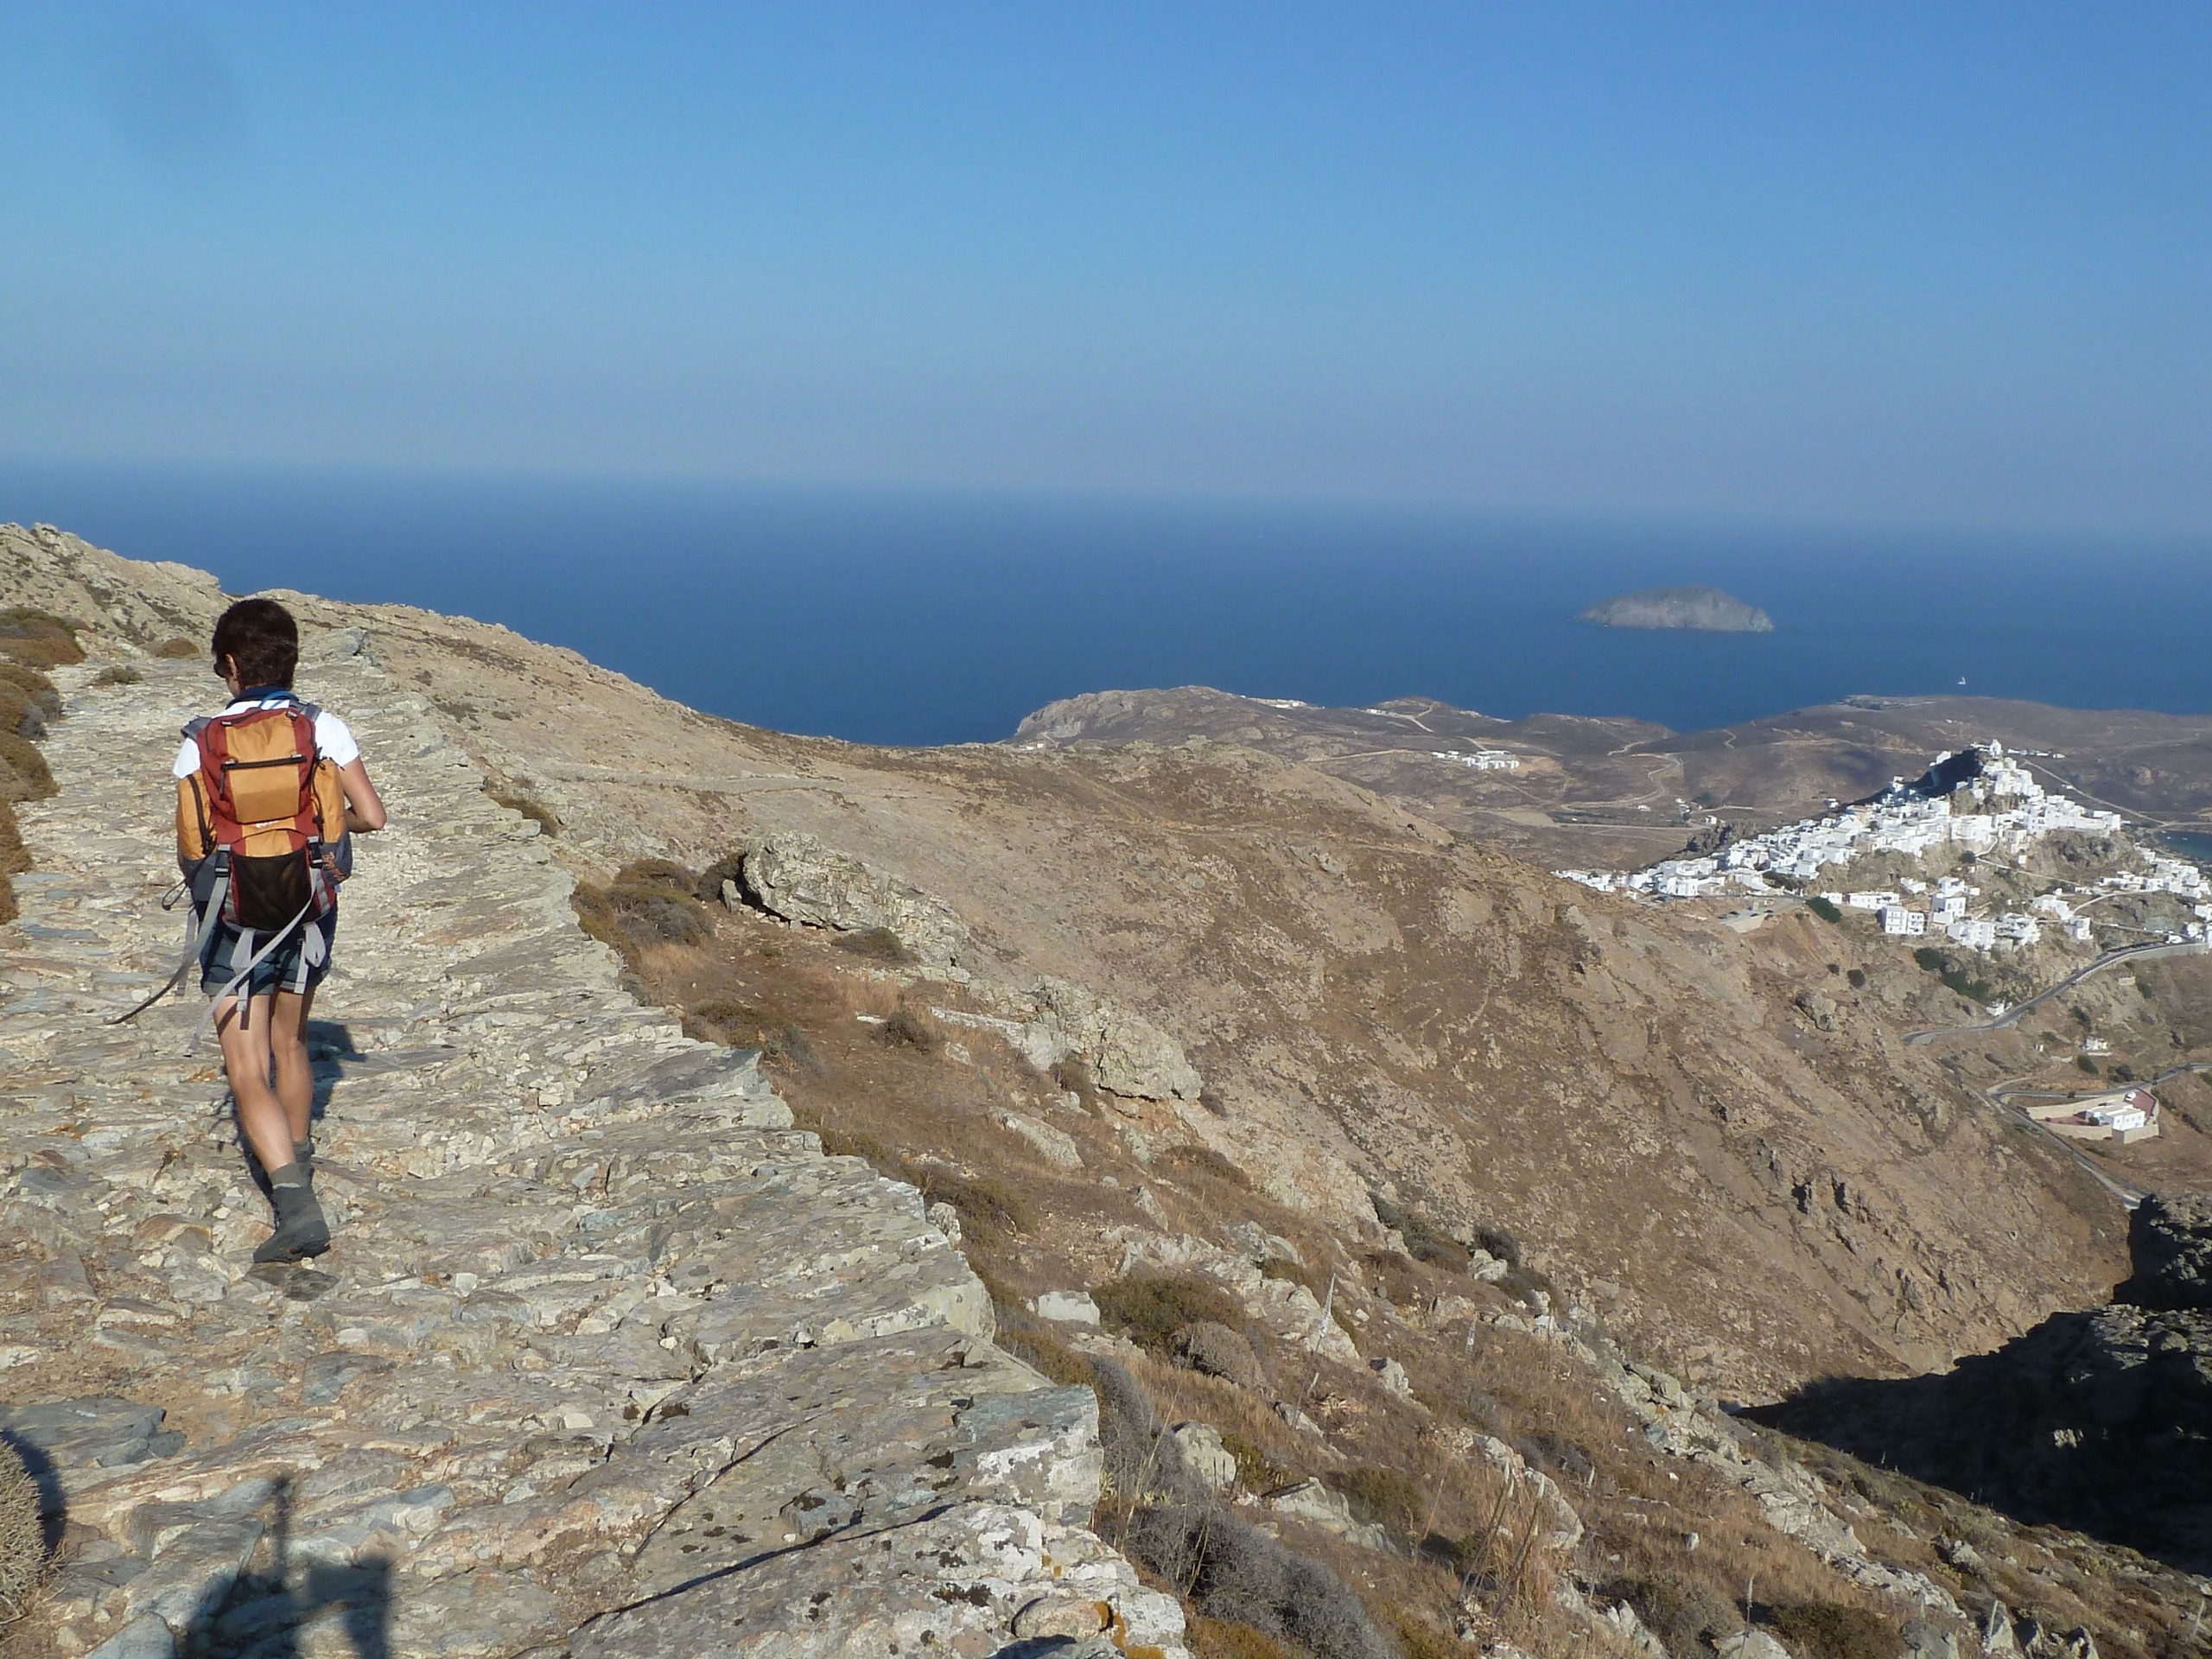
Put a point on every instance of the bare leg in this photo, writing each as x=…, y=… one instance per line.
x=288, y=1041
x=245, y=1057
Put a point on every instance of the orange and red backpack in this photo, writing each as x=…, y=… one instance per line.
x=262, y=818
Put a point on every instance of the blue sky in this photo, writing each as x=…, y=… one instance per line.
x=1913, y=266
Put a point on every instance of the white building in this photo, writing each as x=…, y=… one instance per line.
x=1973, y=932
x=1482, y=760
x=1909, y=924
x=1871, y=900
x=2077, y=929
x=2016, y=927
x=1947, y=906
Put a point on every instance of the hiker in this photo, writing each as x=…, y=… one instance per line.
x=268, y=792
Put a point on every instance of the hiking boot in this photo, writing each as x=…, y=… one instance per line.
x=300, y=1231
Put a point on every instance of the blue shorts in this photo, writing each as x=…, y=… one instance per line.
x=297, y=965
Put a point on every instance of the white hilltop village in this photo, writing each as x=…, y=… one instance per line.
x=1979, y=800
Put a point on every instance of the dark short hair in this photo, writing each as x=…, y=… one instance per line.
x=261, y=641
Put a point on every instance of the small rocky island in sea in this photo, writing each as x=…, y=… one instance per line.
x=1705, y=608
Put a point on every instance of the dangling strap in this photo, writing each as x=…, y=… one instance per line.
x=241, y=976
x=212, y=917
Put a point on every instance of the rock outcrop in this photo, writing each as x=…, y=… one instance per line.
x=1126, y=1053
x=796, y=877
x=2098, y=1421
x=605, y=1359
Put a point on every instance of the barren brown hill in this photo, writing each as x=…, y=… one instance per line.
x=1618, y=791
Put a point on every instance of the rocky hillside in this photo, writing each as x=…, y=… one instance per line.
x=1375, y=1005
x=606, y=1360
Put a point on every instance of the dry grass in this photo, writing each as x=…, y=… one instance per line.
x=118, y=674
x=177, y=648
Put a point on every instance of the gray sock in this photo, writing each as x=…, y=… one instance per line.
x=303, y=1150
x=293, y=1174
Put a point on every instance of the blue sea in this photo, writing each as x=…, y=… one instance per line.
x=915, y=618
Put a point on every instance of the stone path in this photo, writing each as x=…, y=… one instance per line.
x=607, y=1359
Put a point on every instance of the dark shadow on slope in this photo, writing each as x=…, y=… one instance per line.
x=2099, y=1421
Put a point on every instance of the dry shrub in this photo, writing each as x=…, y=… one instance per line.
x=1204, y=1160
x=1394, y=1276
x=740, y=1025
x=595, y=915
x=654, y=904
x=909, y=1026
x=1425, y=1240
x=118, y=674
x=23, y=773
x=1074, y=1077
x=28, y=701
x=1391, y=1499
x=531, y=808
x=1681, y=1612
x=176, y=647
x=1829, y=1629
x=1150, y=1309
x=22, y=1539
x=1497, y=1241
x=1255, y=1471
x=1524, y=1285
x=1238, y=1574
x=876, y=944
x=38, y=638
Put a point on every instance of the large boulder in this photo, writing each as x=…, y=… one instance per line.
x=799, y=879
x=1126, y=1054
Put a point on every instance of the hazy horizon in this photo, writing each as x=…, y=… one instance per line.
x=1875, y=267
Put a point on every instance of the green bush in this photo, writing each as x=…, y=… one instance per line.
x=117, y=674
x=1858, y=978
x=1149, y=1308
x=1953, y=976
x=1824, y=908
x=2084, y=1063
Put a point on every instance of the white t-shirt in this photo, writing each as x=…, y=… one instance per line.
x=333, y=740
